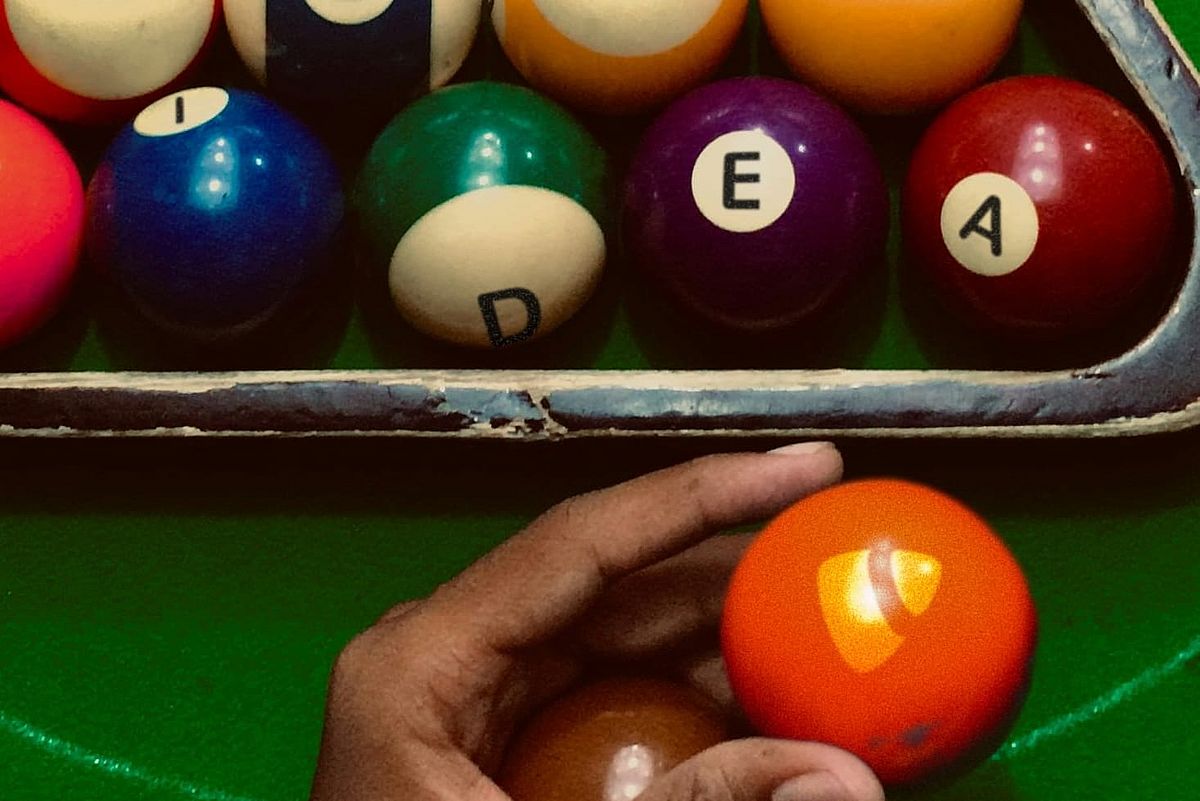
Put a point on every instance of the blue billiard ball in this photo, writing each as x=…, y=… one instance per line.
x=365, y=52
x=212, y=210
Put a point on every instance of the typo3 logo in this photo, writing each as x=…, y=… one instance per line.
x=867, y=595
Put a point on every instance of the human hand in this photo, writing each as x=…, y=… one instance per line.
x=422, y=705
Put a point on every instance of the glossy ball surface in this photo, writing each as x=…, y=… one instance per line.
x=608, y=741
x=753, y=202
x=361, y=52
x=620, y=56
x=886, y=618
x=485, y=203
x=102, y=62
x=41, y=222
x=212, y=210
x=1039, y=207
x=896, y=57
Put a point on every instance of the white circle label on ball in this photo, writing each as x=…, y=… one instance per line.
x=990, y=224
x=181, y=112
x=625, y=28
x=349, y=12
x=455, y=25
x=111, y=50
x=743, y=181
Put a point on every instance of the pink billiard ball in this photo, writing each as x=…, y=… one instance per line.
x=41, y=222
x=100, y=62
x=1039, y=207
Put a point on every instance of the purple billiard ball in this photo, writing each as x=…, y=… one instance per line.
x=754, y=202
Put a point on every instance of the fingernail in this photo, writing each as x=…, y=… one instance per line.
x=819, y=786
x=803, y=449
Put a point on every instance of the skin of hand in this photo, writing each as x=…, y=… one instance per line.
x=422, y=704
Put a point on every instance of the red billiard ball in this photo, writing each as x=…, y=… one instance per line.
x=100, y=62
x=1039, y=207
x=41, y=222
x=886, y=618
x=608, y=741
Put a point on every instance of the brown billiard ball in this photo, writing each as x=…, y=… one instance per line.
x=608, y=741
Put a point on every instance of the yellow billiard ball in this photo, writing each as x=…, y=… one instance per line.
x=894, y=57
x=617, y=56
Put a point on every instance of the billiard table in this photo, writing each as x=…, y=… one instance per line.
x=170, y=606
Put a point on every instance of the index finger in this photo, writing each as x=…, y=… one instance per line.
x=536, y=583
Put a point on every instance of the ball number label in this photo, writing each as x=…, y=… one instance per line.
x=990, y=209
x=605, y=27
x=491, y=316
x=329, y=48
x=990, y=224
x=349, y=12
x=743, y=181
x=181, y=112
x=110, y=50
x=733, y=178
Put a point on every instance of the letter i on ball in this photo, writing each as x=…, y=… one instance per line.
x=485, y=204
x=100, y=62
x=353, y=51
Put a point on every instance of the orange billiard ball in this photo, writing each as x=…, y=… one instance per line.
x=886, y=618
x=896, y=57
x=620, y=56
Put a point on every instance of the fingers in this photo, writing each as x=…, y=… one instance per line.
x=705, y=671
x=396, y=731
x=768, y=770
x=665, y=607
x=413, y=772
x=542, y=579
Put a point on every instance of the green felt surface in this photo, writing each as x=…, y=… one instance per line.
x=169, y=611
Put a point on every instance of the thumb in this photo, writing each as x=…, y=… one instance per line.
x=768, y=770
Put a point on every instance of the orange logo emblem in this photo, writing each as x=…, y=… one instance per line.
x=866, y=595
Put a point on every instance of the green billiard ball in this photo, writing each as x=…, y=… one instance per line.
x=485, y=203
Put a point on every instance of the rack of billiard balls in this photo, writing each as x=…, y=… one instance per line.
x=1040, y=208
